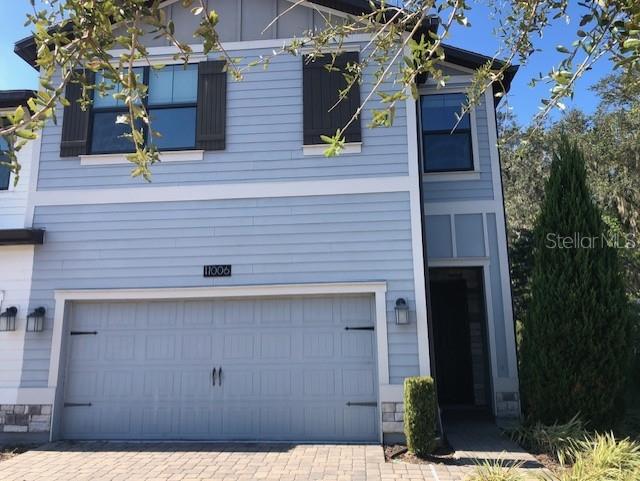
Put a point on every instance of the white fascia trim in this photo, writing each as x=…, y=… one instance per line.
x=319, y=149
x=197, y=48
x=451, y=176
x=223, y=191
x=168, y=156
x=417, y=247
x=26, y=395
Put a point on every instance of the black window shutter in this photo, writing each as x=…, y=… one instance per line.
x=212, y=105
x=320, y=93
x=75, y=121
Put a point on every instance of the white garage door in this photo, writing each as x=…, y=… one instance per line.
x=290, y=370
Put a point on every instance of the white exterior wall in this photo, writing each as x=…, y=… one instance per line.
x=16, y=263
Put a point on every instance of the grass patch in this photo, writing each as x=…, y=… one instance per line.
x=549, y=439
x=496, y=470
x=598, y=458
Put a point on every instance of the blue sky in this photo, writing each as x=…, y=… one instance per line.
x=524, y=100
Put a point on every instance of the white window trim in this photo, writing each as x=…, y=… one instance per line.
x=319, y=149
x=64, y=298
x=167, y=156
x=475, y=152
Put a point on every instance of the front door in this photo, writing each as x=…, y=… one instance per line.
x=454, y=368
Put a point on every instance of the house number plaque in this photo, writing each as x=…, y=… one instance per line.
x=217, y=270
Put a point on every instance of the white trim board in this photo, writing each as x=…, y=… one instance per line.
x=167, y=156
x=247, y=190
x=417, y=247
x=26, y=395
x=63, y=297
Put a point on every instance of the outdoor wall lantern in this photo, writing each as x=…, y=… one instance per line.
x=8, y=319
x=35, y=320
x=402, y=312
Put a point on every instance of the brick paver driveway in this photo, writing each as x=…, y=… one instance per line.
x=101, y=461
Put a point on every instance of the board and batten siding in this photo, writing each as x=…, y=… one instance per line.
x=264, y=141
x=469, y=244
x=339, y=238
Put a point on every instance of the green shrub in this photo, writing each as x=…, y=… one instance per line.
x=496, y=470
x=420, y=414
x=551, y=439
x=576, y=332
x=601, y=457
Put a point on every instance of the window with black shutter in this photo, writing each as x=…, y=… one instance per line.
x=321, y=87
x=186, y=104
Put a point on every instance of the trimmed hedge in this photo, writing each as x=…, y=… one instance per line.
x=420, y=414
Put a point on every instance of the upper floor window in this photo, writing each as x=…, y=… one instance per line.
x=5, y=173
x=171, y=103
x=446, y=147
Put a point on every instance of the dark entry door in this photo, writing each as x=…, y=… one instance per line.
x=450, y=314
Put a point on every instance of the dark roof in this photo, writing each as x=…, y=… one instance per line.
x=26, y=48
x=13, y=98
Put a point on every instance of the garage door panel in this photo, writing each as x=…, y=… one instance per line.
x=275, y=346
x=360, y=422
x=357, y=344
x=159, y=384
x=196, y=347
x=276, y=383
x=319, y=345
x=160, y=347
x=117, y=347
x=239, y=346
x=288, y=370
x=358, y=384
x=198, y=313
x=117, y=384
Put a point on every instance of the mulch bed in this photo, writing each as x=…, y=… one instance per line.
x=398, y=452
x=8, y=452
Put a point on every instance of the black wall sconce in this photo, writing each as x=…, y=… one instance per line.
x=8, y=319
x=402, y=312
x=35, y=320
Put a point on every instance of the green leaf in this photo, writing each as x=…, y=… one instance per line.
x=631, y=43
x=26, y=134
x=562, y=49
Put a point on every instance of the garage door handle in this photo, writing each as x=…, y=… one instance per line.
x=363, y=328
x=213, y=376
x=220, y=376
x=371, y=403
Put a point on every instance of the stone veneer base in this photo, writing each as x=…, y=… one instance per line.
x=25, y=418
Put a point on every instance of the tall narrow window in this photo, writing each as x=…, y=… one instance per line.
x=444, y=148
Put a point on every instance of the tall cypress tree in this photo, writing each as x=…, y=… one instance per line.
x=575, y=345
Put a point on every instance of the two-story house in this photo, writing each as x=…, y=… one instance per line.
x=255, y=289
